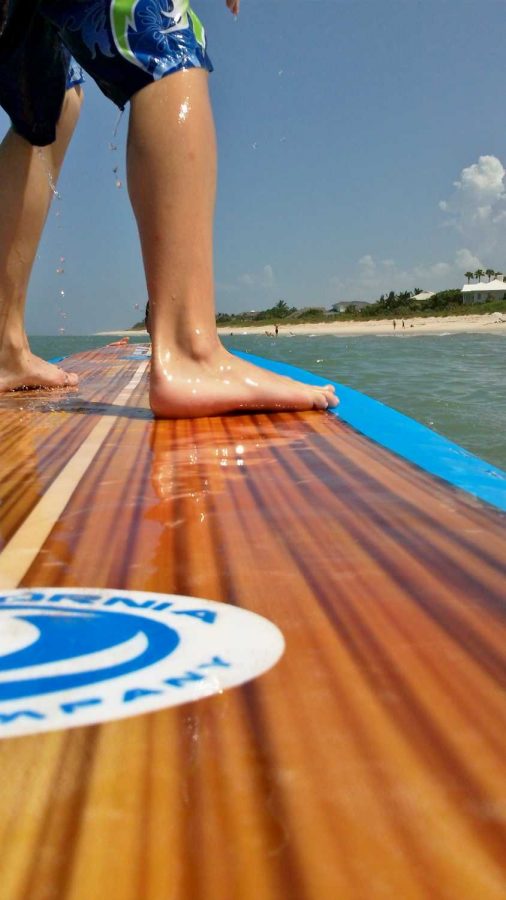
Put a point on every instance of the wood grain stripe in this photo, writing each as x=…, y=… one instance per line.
x=19, y=553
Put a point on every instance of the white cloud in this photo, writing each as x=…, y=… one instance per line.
x=467, y=261
x=263, y=279
x=476, y=210
x=374, y=277
x=477, y=207
x=367, y=263
x=483, y=179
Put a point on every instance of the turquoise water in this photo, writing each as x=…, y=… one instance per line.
x=455, y=384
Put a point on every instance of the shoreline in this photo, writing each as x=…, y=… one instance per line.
x=491, y=323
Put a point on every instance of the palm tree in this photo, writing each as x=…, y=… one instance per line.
x=469, y=275
x=281, y=308
x=479, y=274
x=490, y=273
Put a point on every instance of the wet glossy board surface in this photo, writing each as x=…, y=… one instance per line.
x=368, y=763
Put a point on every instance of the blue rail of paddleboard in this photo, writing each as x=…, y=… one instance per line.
x=406, y=437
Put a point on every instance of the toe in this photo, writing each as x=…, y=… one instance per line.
x=330, y=397
x=70, y=379
x=320, y=401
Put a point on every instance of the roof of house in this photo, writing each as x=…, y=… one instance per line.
x=494, y=285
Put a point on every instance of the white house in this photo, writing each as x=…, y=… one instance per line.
x=343, y=305
x=485, y=290
x=423, y=295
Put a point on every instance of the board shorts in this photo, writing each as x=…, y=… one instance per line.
x=124, y=45
x=75, y=74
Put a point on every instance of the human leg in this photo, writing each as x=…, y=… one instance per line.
x=171, y=179
x=155, y=54
x=26, y=197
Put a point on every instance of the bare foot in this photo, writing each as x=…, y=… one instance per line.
x=26, y=371
x=187, y=387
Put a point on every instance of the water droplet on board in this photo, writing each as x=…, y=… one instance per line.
x=62, y=293
x=118, y=183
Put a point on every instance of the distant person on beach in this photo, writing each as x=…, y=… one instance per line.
x=128, y=47
x=394, y=323
x=276, y=330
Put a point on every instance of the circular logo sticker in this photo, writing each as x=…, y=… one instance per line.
x=80, y=656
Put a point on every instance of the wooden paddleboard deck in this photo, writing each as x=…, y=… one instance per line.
x=367, y=763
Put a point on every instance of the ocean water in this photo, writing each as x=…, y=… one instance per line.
x=454, y=383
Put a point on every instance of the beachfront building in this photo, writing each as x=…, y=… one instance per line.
x=422, y=295
x=483, y=291
x=345, y=305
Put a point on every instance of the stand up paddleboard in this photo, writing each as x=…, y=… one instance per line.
x=257, y=657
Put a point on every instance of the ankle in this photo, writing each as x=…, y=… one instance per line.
x=13, y=344
x=197, y=344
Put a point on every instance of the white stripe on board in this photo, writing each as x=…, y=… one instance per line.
x=22, y=549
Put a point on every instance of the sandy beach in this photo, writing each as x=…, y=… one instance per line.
x=488, y=323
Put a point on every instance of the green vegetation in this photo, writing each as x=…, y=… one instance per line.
x=389, y=306
x=405, y=306
x=469, y=309
x=491, y=273
x=444, y=303
x=270, y=316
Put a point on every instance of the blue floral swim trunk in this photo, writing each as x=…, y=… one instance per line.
x=123, y=45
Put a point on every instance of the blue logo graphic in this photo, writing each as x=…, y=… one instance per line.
x=68, y=648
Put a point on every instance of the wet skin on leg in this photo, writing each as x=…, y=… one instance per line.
x=171, y=165
x=26, y=197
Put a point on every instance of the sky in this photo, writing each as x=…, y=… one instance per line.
x=361, y=150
